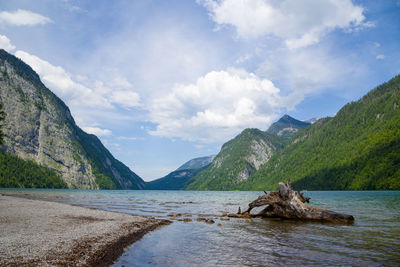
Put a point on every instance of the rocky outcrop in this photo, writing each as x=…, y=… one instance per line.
x=39, y=127
x=242, y=156
x=237, y=161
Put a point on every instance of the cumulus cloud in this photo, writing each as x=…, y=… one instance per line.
x=130, y=138
x=22, y=18
x=97, y=131
x=5, y=43
x=309, y=71
x=298, y=23
x=127, y=99
x=217, y=107
x=89, y=100
x=61, y=83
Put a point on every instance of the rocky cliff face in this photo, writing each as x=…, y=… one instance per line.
x=237, y=161
x=39, y=126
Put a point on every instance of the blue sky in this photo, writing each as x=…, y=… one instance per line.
x=161, y=82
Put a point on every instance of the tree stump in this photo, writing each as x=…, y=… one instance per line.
x=289, y=204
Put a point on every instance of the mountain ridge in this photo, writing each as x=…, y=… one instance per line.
x=237, y=160
x=286, y=126
x=249, y=154
x=179, y=178
x=196, y=163
x=40, y=127
x=357, y=149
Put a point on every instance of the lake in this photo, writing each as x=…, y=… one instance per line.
x=373, y=240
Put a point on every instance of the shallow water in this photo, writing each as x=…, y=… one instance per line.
x=373, y=240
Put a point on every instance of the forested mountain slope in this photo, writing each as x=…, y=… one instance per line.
x=358, y=149
x=238, y=159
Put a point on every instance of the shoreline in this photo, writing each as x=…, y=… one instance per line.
x=36, y=232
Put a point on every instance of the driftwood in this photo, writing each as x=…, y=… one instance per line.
x=289, y=204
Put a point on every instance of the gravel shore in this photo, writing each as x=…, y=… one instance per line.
x=34, y=232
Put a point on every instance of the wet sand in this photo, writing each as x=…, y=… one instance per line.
x=34, y=232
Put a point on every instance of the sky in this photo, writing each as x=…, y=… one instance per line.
x=162, y=82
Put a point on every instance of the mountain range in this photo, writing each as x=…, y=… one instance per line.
x=357, y=149
x=238, y=159
x=242, y=156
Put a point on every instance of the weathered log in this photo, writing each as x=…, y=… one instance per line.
x=302, y=198
x=289, y=204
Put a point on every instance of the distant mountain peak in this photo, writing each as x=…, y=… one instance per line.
x=312, y=120
x=286, y=126
x=288, y=119
x=178, y=179
x=196, y=163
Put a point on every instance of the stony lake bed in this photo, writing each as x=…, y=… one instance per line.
x=201, y=235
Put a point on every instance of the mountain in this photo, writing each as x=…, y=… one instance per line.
x=358, y=149
x=176, y=180
x=196, y=163
x=312, y=120
x=39, y=127
x=287, y=126
x=238, y=159
x=179, y=179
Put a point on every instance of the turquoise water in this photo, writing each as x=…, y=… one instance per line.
x=373, y=240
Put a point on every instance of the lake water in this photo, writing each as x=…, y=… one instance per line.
x=373, y=240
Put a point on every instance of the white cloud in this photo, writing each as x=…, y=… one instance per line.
x=5, y=43
x=309, y=71
x=121, y=82
x=381, y=56
x=215, y=108
x=129, y=138
x=61, y=83
x=298, y=23
x=22, y=18
x=97, y=131
x=244, y=58
x=312, y=70
x=87, y=99
x=125, y=98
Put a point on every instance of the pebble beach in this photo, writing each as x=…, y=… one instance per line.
x=34, y=232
